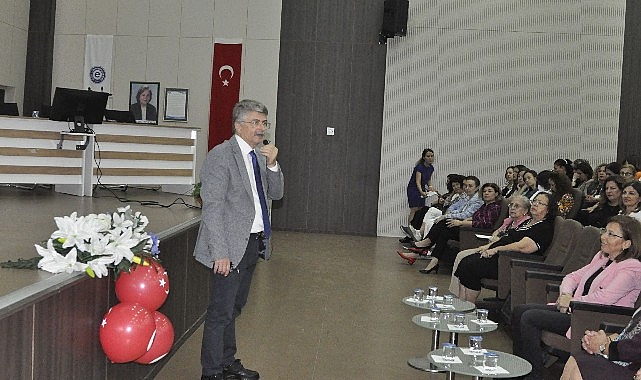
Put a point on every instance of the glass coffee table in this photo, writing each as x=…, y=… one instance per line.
x=447, y=324
x=508, y=365
x=458, y=305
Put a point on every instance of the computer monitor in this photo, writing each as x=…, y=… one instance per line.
x=78, y=106
x=120, y=116
x=9, y=109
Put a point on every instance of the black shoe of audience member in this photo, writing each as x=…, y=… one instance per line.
x=406, y=240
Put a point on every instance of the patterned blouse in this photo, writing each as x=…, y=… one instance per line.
x=486, y=215
x=565, y=204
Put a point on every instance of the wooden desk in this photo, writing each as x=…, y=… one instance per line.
x=118, y=154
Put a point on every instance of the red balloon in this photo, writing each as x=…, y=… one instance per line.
x=162, y=342
x=127, y=331
x=147, y=285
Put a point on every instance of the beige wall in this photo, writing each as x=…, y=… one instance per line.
x=171, y=42
x=488, y=84
x=14, y=26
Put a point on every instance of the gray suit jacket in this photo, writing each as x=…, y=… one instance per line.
x=228, y=204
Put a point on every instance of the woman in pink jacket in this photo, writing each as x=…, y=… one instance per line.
x=613, y=277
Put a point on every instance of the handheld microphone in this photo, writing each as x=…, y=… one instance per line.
x=266, y=142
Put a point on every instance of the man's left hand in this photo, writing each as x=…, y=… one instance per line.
x=270, y=152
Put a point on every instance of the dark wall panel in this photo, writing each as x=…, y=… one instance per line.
x=39, y=65
x=16, y=345
x=331, y=182
x=630, y=110
x=72, y=333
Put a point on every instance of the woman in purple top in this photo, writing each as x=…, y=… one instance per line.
x=420, y=183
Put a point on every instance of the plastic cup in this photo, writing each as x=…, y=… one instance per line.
x=449, y=351
x=435, y=314
x=459, y=319
x=476, y=344
x=448, y=299
x=418, y=294
x=432, y=291
x=477, y=360
x=481, y=315
x=491, y=361
x=429, y=303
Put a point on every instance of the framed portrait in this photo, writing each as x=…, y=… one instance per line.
x=176, y=101
x=143, y=101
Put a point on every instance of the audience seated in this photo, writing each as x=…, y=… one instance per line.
x=448, y=229
x=532, y=237
x=613, y=168
x=627, y=171
x=424, y=218
x=463, y=208
x=564, y=167
x=510, y=182
x=529, y=187
x=560, y=185
x=608, y=356
x=519, y=212
x=630, y=199
x=454, y=185
x=609, y=204
x=594, y=187
x=612, y=277
x=583, y=174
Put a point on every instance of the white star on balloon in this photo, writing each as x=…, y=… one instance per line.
x=162, y=282
x=104, y=323
x=225, y=82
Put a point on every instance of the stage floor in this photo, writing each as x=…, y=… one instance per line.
x=27, y=219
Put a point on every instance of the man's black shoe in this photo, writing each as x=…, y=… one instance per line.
x=406, y=240
x=236, y=369
x=218, y=376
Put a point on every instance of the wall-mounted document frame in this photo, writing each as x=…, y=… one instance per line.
x=176, y=101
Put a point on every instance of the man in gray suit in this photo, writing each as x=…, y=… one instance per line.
x=234, y=231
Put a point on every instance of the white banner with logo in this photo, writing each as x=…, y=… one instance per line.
x=98, y=60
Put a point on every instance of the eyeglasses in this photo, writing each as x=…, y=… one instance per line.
x=514, y=205
x=610, y=233
x=626, y=174
x=255, y=123
x=536, y=202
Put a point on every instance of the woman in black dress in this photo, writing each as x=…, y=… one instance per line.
x=532, y=237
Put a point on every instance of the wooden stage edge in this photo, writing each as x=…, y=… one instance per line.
x=39, y=346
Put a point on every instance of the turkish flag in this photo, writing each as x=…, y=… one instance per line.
x=225, y=90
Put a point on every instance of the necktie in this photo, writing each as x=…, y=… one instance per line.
x=261, y=194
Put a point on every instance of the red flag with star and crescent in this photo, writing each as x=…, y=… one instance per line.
x=225, y=90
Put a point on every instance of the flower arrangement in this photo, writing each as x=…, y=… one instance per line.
x=96, y=243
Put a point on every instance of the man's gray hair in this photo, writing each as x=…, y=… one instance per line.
x=242, y=108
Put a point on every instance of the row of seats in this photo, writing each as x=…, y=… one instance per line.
x=527, y=278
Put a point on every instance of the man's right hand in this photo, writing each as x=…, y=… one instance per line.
x=222, y=266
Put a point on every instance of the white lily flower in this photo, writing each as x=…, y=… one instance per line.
x=56, y=263
x=121, y=222
x=123, y=210
x=99, y=265
x=102, y=241
x=120, y=246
